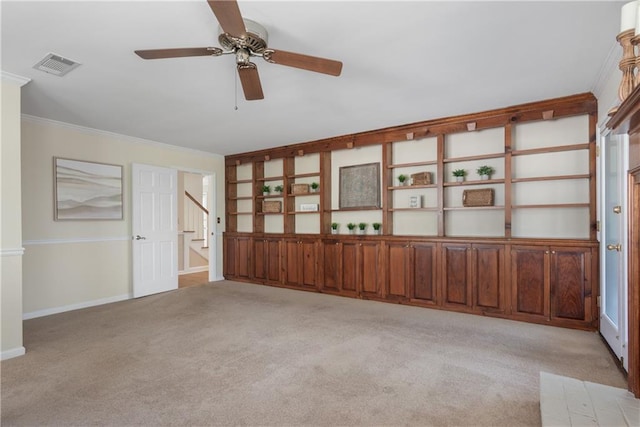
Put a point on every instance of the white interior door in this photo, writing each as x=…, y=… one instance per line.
x=613, y=283
x=155, y=234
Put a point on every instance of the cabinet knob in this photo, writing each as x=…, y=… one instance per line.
x=546, y=252
x=617, y=247
x=553, y=252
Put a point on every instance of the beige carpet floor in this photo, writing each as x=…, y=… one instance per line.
x=228, y=353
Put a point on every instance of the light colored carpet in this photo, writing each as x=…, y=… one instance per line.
x=228, y=353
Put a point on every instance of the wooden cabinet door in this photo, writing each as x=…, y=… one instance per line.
x=238, y=254
x=349, y=260
x=229, y=253
x=571, y=284
x=456, y=283
x=332, y=266
x=529, y=279
x=300, y=263
x=368, y=275
x=422, y=286
x=488, y=277
x=398, y=273
x=266, y=260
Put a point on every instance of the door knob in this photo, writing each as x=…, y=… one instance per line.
x=617, y=209
x=139, y=237
x=617, y=247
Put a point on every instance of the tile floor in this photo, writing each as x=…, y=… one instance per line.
x=570, y=402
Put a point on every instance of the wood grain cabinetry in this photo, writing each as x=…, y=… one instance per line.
x=266, y=259
x=530, y=254
x=411, y=270
x=300, y=263
x=473, y=276
x=553, y=283
x=238, y=261
x=351, y=268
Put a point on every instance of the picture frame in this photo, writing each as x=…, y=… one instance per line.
x=360, y=186
x=85, y=190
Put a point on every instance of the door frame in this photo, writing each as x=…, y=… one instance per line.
x=623, y=327
x=212, y=207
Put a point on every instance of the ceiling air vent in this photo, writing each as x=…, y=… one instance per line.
x=56, y=64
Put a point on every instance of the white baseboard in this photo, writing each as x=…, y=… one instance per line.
x=14, y=352
x=194, y=270
x=86, y=304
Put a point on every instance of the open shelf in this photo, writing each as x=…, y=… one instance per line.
x=411, y=187
x=552, y=205
x=551, y=178
x=414, y=209
x=241, y=181
x=557, y=149
x=480, y=182
x=409, y=165
x=468, y=208
x=471, y=158
x=270, y=178
x=304, y=175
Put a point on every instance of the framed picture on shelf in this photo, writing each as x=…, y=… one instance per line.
x=360, y=186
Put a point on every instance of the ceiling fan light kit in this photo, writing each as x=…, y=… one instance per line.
x=245, y=39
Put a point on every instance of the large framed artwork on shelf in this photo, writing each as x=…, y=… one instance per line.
x=360, y=186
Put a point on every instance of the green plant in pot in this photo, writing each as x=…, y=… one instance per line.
x=402, y=179
x=266, y=190
x=352, y=227
x=334, y=228
x=376, y=227
x=278, y=189
x=362, y=227
x=459, y=174
x=485, y=172
x=314, y=186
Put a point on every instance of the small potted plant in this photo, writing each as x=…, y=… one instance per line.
x=485, y=172
x=278, y=189
x=376, y=227
x=402, y=178
x=352, y=228
x=362, y=228
x=266, y=190
x=314, y=187
x=459, y=174
x=334, y=228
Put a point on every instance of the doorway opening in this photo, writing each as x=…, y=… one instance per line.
x=195, y=194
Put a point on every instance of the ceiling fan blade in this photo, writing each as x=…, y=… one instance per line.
x=250, y=81
x=179, y=52
x=228, y=14
x=305, y=62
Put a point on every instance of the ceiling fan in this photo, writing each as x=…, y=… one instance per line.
x=245, y=39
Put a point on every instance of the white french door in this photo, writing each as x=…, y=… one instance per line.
x=613, y=247
x=155, y=234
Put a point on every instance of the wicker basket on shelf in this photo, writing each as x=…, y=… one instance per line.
x=271, y=206
x=299, y=188
x=421, y=178
x=480, y=197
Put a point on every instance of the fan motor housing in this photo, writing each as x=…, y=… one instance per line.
x=255, y=39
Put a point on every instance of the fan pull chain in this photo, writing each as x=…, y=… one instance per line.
x=235, y=92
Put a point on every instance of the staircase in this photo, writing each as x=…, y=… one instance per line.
x=195, y=249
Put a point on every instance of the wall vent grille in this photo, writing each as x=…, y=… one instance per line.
x=56, y=65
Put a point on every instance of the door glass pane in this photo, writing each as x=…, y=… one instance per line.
x=612, y=225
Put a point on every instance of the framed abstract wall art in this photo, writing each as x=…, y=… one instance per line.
x=87, y=190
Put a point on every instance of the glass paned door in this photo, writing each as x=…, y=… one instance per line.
x=613, y=281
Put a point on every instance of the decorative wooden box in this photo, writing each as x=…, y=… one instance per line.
x=480, y=197
x=299, y=188
x=271, y=206
x=421, y=178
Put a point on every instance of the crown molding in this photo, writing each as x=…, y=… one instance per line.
x=126, y=138
x=14, y=78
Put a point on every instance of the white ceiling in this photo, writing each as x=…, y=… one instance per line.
x=403, y=62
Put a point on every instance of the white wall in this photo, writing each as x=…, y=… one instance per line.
x=10, y=220
x=70, y=264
